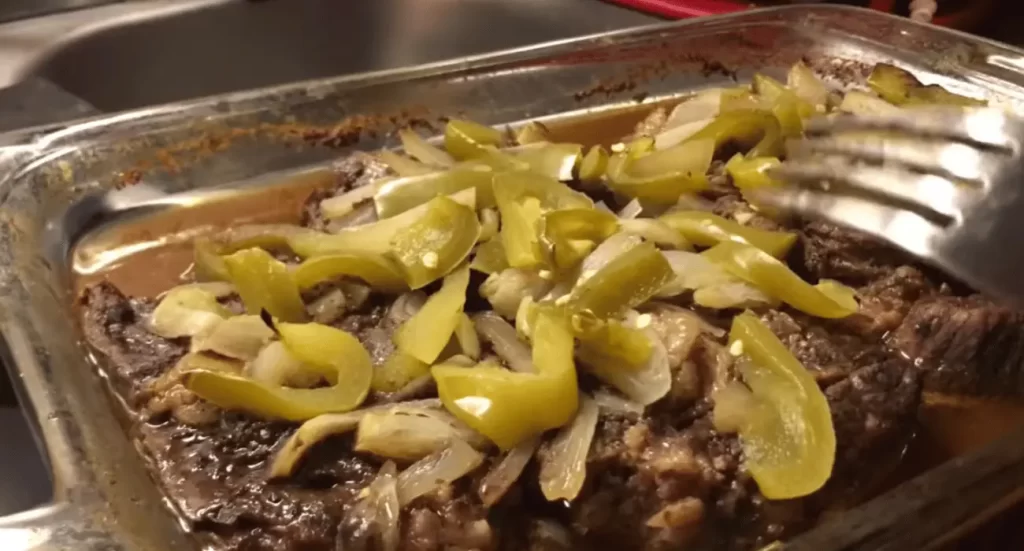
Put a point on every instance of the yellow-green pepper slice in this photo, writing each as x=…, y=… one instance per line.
x=828, y=299
x=789, y=443
x=759, y=130
x=372, y=239
x=900, y=87
x=706, y=230
x=533, y=132
x=436, y=242
x=520, y=215
x=554, y=160
x=404, y=166
x=751, y=172
x=466, y=139
x=396, y=372
x=489, y=257
x=399, y=195
x=425, y=335
x=338, y=356
x=626, y=281
x=265, y=283
x=593, y=165
x=610, y=340
x=380, y=272
x=509, y=407
x=662, y=176
x=560, y=231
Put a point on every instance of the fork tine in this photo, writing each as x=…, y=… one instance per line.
x=902, y=228
x=988, y=128
x=935, y=194
x=955, y=160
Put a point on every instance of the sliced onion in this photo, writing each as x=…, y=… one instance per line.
x=608, y=250
x=218, y=289
x=600, y=205
x=646, y=385
x=735, y=405
x=437, y=470
x=507, y=288
x=406, y=306
x=277, y=366
x=186, y=312
x=505, y=341
x=702, y=105
x=655, y=231
x=356, y=294
x=322, y=427
x=336, y=207
x=329, y=308
x=631, y=210
x=403, y=435
x=363, y=214
x=496, y=483
x=736, y=294
x=678, y=134
x=705, y=326
x=421, y=150
x=239, y=337
x=388, y=511
x=693, y=271
x=615, y=405
x=563, y=468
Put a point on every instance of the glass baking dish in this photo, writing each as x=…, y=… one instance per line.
x=63, y=188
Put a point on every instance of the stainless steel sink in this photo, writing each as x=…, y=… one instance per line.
x=140, y=53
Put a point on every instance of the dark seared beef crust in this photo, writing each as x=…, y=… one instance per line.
x=970, y=345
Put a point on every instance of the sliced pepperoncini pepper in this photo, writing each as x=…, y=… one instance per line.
x=509, y=407
x=706, y=230
x=372, y=239
x=425, y=335
x=789, y=441
x=593, y=165
x=902, y=88
x=561, y=230
x=399, y=195
x=520, y=214
x=610, y=340
x=626, y=281
x=396, y=372
x=788, y=108
x=379, y=272
x=338, y=356
x=828, y=299
x=751, y=172
x=264, y=283
x=489, y=257
x=752, y=128
x=436, y=242
x=662, y=176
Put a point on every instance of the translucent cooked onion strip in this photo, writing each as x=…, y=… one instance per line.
x=497, y=482
x=185, y=312
x=320, y=428
x=505, y=341
x=563, y=465
x=238, y=337
x=437, y=470
x=407, y=435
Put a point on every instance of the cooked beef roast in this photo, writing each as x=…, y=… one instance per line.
x=665, y=481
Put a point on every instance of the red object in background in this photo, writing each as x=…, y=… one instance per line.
x=965, y=19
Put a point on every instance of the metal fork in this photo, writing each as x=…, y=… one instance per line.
x=943, y=184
